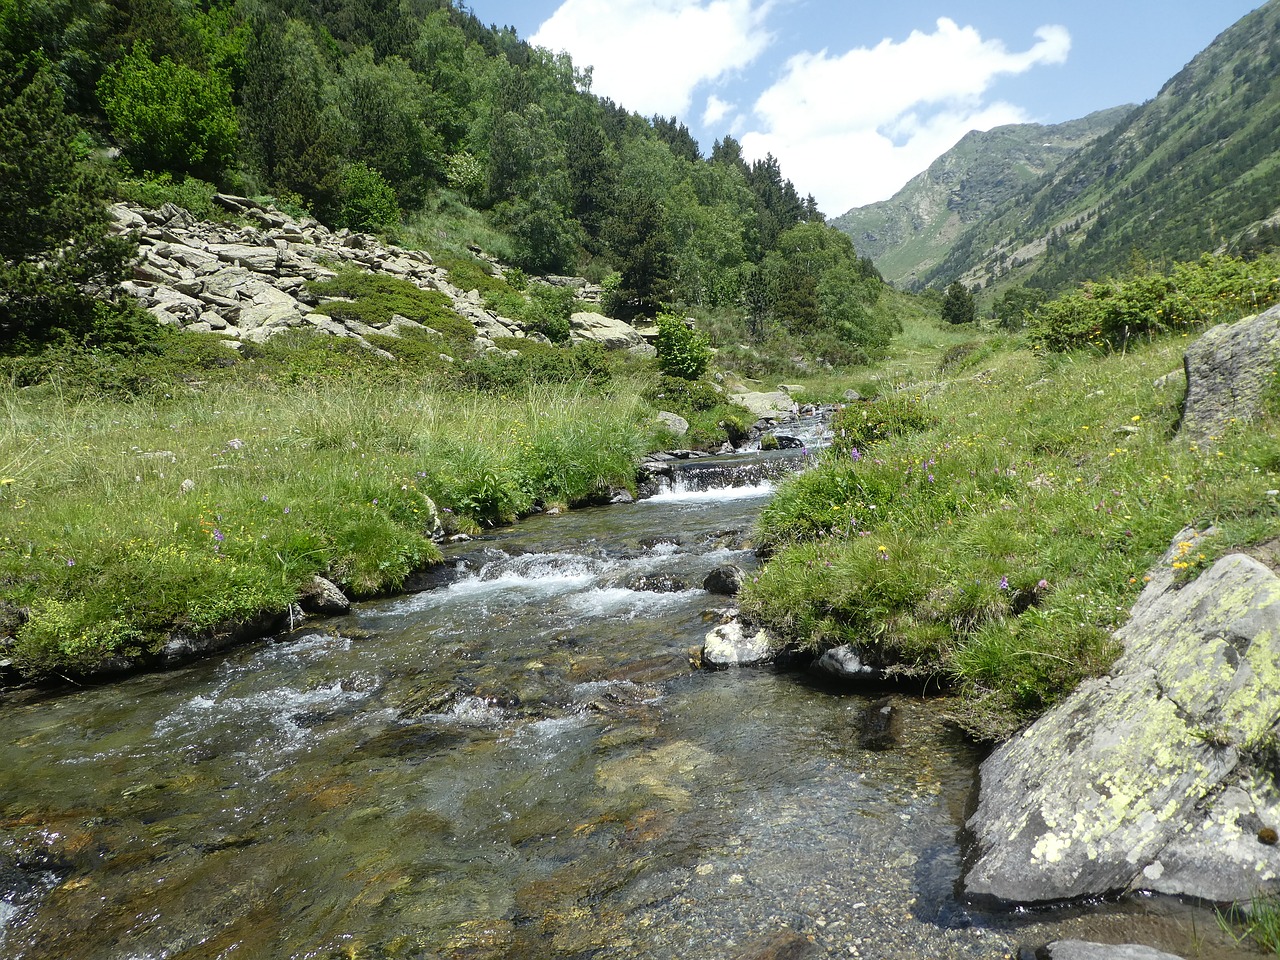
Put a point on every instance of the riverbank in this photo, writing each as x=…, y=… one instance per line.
x=127, y=522
x=990, y=528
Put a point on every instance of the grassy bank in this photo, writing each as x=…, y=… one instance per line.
x=122, y=520
x=988, y=528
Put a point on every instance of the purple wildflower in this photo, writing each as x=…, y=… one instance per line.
x=854, y=454
x=217, y=535
x=1004, y=583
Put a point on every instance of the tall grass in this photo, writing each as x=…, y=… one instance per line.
x=996, y=543
x=120, y=522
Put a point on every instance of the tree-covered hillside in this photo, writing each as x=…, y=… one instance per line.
x=368, y=114
x=1194, y=169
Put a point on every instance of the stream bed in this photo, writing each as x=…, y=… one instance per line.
x=517, y=762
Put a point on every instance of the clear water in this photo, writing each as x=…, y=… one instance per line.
x=517, y=763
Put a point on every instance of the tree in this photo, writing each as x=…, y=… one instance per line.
x=54, y=250
x=958, y=305
x=169, y=116
x=641, y=248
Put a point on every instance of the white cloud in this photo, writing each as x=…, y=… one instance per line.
x=853, y=129
x=650, y=55
x=716, y=110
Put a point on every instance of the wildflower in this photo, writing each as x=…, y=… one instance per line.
x=1004, y=583
x=235, y=444
x=71, y=561
x=1042, y=585
x=218, y=535
x=264, y=498
x=286, y=509
x=854, y=455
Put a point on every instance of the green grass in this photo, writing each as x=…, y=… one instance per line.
x=106, y=553
x=995, y=545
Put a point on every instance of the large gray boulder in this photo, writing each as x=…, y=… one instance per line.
x=1228, y=370
x=1158, y=777
x=610, y=333
x=772, y=405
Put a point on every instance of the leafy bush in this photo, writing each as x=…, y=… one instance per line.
x=534, y=363
x=169, y=116
x=682, y=351
x=859, y=425
x=191, y=193
x=682, y=396
x=549, y=311
x=375, y=297
x=365, y=200
x=1111, y=313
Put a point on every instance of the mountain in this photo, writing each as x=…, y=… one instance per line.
x=915, y=229
x=1195, y=169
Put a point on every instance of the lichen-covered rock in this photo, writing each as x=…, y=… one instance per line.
x=1146, y=779
x=323, y=597
x=1228, y=369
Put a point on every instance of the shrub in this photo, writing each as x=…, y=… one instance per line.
x=682, y=351
x=365, y=200
x=549, y=311
x=374, y=298
x=860, y=425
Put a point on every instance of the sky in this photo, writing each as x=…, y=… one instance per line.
x=855, y=97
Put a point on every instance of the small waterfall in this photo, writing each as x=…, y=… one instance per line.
x=731, y=475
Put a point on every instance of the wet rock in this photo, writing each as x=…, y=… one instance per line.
x=1082, y=950
x=1229, y=369
x=785, y=945
x=323, y=597
x=731, y=645
x=1149, y=778
x=880, y=726
x=787, y=443
x=659, y=583
x=725, y=581
x=846, y=663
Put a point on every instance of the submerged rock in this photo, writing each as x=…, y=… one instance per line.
x=1082, y=950
x=880, y=726
x=1150, y=778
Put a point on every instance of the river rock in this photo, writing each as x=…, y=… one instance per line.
x=730, y=645
x=1082, y=950
x=1151, y=778
x=845, y=663
x=1228, y=370
x=880, y=726
x=323, y=596
x=725, y=580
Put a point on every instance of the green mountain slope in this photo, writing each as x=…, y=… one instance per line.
x=915, y=229
x=1197, y=168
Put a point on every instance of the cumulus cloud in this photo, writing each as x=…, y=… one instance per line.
x=854, y=128
x=715, y=111
x=650, y=55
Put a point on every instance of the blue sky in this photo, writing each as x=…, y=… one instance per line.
x=854, y=98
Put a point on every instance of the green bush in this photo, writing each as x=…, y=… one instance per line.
x=682, y=396
x=365, y=200
x=682, y=351
x=549, y=311
x=1109, y=314
x=373, y=298
x=168, y=116
x=190, y=193
x=859, y=425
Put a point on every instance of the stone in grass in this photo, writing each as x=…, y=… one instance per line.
x=323, y=597
x=846, y=663
x=729, y=645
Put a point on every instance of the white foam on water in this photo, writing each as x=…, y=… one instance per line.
x=619, y=602
x=276, y=707
x=713, y=495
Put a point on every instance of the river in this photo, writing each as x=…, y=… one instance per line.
x=517, y=762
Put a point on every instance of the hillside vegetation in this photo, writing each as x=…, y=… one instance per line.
x=1193, y=170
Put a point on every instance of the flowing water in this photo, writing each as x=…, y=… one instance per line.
x=517, y=762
